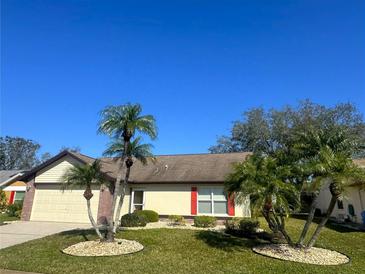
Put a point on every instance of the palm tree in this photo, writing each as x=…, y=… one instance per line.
x=123, y=122
x=339, y=171
x=271, y=193
x=85, y=176
x=135, y=150
x=326, y=157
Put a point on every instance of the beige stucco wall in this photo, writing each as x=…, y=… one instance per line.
x=353, y=195
x=52, y=204
x=54, y=172
x=49, y=201
x=168, y=199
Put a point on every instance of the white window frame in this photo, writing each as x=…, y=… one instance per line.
x=131, y=209
x=211, y=202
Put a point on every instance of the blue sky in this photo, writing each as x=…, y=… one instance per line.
x=195, y=65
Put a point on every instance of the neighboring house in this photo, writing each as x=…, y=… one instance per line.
x=187, y=185
x=13, y=188
x=352, y=205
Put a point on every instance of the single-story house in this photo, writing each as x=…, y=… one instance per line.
x=14, y=188
x=187, y=185
x=352, y=205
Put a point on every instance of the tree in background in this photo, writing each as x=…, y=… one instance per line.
x=123, y=122
x=18, y=153
x=75, y=149
x=263, y=131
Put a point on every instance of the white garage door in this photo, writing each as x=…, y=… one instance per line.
x=51, y=204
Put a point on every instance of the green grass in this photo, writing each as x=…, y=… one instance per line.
x=4, y=218
x=179, y=251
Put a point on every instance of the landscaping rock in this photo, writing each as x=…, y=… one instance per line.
x=314, y=255
x=98, y=248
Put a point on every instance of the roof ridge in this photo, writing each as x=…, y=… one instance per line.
x=188, y=154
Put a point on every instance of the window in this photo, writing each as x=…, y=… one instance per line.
x=19, y=196
x=212, y=201
x=137, y=200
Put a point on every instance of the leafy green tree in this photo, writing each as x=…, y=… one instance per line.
x=85, y=176
x=122, y=122
x=135, y=150
x=263, y=131
x=17, y=153
x=268, y=185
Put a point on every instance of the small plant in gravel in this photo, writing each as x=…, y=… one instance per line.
x=205, y=221
x=132, y=220
x=150, y=215
x=176, y=220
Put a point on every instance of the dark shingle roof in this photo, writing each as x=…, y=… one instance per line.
x=180, y=168
x=7, y=174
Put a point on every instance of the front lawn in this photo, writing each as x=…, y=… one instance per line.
x=5, y=218
x=179, y=251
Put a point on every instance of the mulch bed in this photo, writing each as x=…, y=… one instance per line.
x=314, y=255
x=98, y=248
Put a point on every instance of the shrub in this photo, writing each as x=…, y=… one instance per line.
x=150, y=215
x=244, y=227
x=14, y=210
x=249, y=226
x=132, y=220
x=3, y=201
x=176, y=220
x=232, y=224
x=204, y=221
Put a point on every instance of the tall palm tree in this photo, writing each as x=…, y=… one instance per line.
x=85, y=176
x=123, y=122
x=271, y=194
x=135, y=151
x=339, y=171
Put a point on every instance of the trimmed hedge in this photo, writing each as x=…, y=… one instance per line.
x=246, y=227
x=176, y=219
x=204, y=221
x=150, y=215
x=132, y=220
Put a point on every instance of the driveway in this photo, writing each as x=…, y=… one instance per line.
x=20, y=232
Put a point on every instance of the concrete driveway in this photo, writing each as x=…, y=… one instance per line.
x=20, y=232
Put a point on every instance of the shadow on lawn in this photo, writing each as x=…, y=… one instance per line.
x=87, y=234
x=226, y=242
x=338, y=227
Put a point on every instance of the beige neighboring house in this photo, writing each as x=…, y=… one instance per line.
x=186, y=185
x=352, y=205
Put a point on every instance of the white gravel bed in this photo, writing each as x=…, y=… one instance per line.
x=314, y=255
x=162, y=224
x=98, y=248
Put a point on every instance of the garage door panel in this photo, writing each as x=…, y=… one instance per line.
x=62, y=206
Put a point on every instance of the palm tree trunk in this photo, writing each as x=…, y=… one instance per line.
x=92, y=221
x=111, y=222
x=323, y=222
x=272, y=226
x=122, y=195
x=308, y=221
x=281, y=226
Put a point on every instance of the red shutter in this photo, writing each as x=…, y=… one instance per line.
x=11, y=199
x=231, y=204
x=194, y=200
